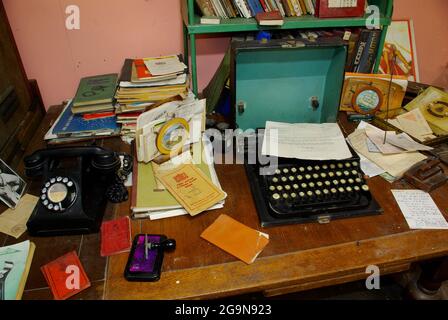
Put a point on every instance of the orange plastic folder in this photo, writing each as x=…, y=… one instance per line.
x=235, y=238
x=66, y=276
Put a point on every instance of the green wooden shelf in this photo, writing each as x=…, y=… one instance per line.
x=305, y=22
x=193, y=27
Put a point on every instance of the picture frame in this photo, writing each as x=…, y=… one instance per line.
x=400, y=44
x=12, y=186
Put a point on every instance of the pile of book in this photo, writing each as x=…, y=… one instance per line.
x=226, y=9
x=90, y=114
x=95, y=94
x=145, y=83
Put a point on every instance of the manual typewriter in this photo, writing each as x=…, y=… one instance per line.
x=300, y=191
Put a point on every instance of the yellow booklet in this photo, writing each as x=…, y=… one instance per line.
x=192, y=188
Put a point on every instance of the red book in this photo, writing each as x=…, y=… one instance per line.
x=273, y=18
x=116, y=237
x=66, y=276
x=142, y=70
x=265, y=7
x=340, y=8
x=94, y=116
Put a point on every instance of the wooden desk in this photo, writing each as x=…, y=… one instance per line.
x=298, y=257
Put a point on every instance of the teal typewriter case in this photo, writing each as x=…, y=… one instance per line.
x=293, y=81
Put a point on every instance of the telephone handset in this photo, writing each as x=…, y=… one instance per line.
x=73, y=194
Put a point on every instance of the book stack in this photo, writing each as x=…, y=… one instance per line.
x=151, y=199
x=145, y=84
x=95, y=94
x=226, y=9
x=70, y=127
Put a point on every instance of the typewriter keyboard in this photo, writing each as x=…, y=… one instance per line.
x=308, y=189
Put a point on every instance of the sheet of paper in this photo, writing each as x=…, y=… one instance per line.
x=419, y=209
x=414, y=123
x=307, y=141
x=405, y=142
x=13, y=222
x=371, y=146
x=394, y=164
x=164, y=65
x=369, y=168
x=377, y=137
x=191, y=188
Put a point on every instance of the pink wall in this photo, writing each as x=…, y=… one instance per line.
x=112, y=30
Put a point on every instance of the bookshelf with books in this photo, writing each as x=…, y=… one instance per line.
x=193, y=27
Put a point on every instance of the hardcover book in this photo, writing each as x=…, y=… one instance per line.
x=96, y=90
x=272, y=18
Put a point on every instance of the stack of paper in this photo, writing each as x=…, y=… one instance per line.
x=395, y=155
x=151, y=199
x=145, y=83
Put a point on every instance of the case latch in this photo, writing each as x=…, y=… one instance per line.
x=241, y=106
x=324, y=219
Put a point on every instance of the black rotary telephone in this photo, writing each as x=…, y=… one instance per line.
x=73, y=196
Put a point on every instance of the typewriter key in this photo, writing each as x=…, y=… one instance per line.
x=346, y=173
x=334, y=191
x=277, y=171
x=358, y=180
x=318, y=193
x=285, y=196
x=327, y=183
x=275, y=180
x=310, y=193
x=279, y=188
x=323, y=175
x=311, y=184
x=293, y=195
x=302, y=195
x=284, y=179
x=355, y=164
x=294, y=170
x=309, y=168
x=348, y=165
x=307, y=177
x=341, y=190
x=325, y=167
x=356, y=188
x=326, y=192
x=299, y=177
x=354, y=172
x=285, y=170
x=340, y=165
x=343, y=181
x=332, y=166
x=351, y=181
x=317, y=168
x=335, y=182
x=320, y=184
x=295, y=186
x=302, y=169
x=276, y=196
x=304, y=186
x=272, y=188
x=365, y=188
x=339, y=173
x=315, y=176
x=331, y=174
x=291, y=178
x=349, y=189
x=287, y=187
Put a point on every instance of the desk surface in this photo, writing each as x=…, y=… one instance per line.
x=298, y=257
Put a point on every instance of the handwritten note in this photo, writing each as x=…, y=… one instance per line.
x=419, y=209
